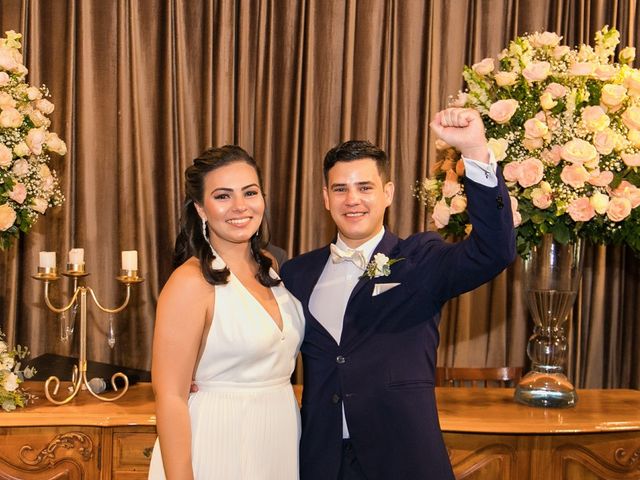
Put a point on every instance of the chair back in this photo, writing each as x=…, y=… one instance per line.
x=478, y=377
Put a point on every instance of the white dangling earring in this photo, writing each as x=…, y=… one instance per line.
x=206, y=236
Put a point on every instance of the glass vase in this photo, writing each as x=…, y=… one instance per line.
x=551, y=278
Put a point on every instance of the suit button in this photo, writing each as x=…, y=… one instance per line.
x=335, y=398
x=340, y=359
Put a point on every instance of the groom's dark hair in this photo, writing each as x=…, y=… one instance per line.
x=357, y=150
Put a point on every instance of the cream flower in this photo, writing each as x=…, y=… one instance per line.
x=613, y=95
x=627, y=55
x=458, y=204
x=505, y=79
x=547, y=102
x=40, y=205
x=441, y=214
x=536, y=71
x=579, y=151
x=7, y=217
x=484, y=67
x=595, y=118
x=10, y=118
x=499, y=148
x=604, y=141
x=599, y=202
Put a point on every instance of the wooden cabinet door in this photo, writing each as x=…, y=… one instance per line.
x=43, y=453
x=132, y=447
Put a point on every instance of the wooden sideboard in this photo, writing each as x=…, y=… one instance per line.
x=488, y=435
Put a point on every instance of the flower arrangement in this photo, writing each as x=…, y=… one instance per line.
x=564, y=125
x=27, y=185
x=12, y=375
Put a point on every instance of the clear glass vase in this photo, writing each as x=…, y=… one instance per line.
x=551, y=278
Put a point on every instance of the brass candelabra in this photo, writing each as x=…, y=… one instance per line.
x=79, y=378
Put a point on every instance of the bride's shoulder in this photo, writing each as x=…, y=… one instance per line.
x=188, y=279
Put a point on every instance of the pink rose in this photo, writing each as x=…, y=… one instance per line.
x=631, y=159
x=511, y=171
x=4, y=79
x=40, y=205
x=458, y=204
x=595, y=118
x=18, y=193
x=600, y=179
x=619, y=208
x=6, y=156
x=574, y=175
x=582, y=69
x=631, y=117
x=502, y=110
x=579, y=151
x=605, y=72
x=10, y=118
x=628, y=191
x=484, y=67
x=536, y=71
x=441, y=214
x=6, y=101
x=534, y=128
x=517, y=217
x=7, y=217
x=581, y=210
x=556, y=90
x=35, y=139
x=604, y=141
x=560, y=51
x=451, y=186
x=551, y=156
x=8, y=59
x=531, y=172
x=460, y=100
x=44, y=105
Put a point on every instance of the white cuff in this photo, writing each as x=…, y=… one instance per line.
x=481, y=172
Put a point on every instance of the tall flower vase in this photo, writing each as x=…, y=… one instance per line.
x=551, y=278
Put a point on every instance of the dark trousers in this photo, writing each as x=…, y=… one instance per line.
x=350, y=469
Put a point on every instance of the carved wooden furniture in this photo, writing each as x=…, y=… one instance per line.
x=488, y=435
x=85, y=439
x=478, y=377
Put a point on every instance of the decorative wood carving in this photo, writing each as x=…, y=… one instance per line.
x=593, y=462
x=66, y=440
x=477, y=460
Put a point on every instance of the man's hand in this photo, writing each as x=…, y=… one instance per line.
x=462, y=128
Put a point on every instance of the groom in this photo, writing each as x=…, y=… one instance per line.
x=369, y=351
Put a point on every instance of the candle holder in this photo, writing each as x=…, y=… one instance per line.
x=79, y=377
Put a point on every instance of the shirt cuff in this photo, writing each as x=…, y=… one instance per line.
x=480, y=172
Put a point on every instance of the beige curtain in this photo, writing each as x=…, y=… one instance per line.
x=141, y=86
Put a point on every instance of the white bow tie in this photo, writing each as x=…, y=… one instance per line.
x=354, y=256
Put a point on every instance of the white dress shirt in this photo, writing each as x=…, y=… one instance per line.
x=329, y=298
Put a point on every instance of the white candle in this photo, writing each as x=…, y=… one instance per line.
x=76, y=256
x=129, y=260
x=47, y=259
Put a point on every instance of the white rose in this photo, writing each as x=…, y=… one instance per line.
x=20, y=168
x=7, y=362
x=10, y=382
x=599, y=202
x=35, y=139
x=498, y=147
x=10, y=118
x=40, y=205
x=21, y=149
x=4, y=78
x=54, y=144
x=44, y=105
x=484, y=67
x=34, y=93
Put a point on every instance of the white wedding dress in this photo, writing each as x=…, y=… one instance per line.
x=244, y=418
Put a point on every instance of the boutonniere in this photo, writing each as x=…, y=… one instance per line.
x=380, y=266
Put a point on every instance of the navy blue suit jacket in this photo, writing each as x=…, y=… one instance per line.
x=383, y=370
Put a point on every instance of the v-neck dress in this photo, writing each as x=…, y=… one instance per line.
x=245, y=421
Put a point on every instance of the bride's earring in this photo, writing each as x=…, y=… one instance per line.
x=205, y=234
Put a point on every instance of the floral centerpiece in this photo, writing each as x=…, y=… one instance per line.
x=564, y=125
x=11, y=376
x=27, y=185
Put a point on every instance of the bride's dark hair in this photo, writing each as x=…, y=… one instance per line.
x=191, y=241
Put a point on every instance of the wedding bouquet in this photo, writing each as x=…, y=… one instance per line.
x=27, y=185
x=12, y=375
x=564, y=126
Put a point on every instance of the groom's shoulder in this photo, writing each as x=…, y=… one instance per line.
x=304, y=260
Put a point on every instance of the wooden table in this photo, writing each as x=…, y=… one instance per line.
x=488, y=435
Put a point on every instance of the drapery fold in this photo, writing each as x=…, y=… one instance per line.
x=142, y=86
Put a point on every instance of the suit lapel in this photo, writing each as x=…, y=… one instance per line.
x=386, y=246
